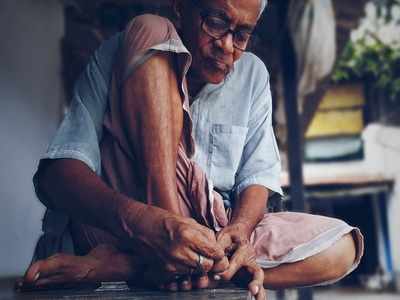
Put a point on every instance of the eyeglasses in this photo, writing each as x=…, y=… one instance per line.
x=217, y=27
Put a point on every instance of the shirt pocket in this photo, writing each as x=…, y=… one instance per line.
x=227, y=143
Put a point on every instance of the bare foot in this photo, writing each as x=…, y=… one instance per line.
x=103, y=263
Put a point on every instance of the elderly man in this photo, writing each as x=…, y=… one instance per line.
x=161, y=170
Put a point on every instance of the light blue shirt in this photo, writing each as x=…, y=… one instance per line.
x=232, y=127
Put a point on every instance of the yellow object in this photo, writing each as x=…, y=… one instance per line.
x=340, y=113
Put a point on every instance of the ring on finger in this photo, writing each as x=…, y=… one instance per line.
x=200, y=269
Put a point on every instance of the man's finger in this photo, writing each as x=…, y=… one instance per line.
x=202, y=282
x=172, y=286
x=235, y=263
x=262, y=295
x=185, y=283
x=54, y=279
x=43, y=268
x=207, y=248
x=256, y=286
x=258, y=278
x=188, y=259
x=225, y=242
x=172, y=269
x=220, y=265
x=33, y=273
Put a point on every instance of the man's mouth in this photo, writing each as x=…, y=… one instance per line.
x=218, y=65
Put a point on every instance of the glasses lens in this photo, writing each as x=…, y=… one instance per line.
x=215, y=26
x=241, y=39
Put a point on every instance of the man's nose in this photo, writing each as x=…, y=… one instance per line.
x=226, y=43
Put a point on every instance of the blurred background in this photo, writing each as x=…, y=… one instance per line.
x=335, y=78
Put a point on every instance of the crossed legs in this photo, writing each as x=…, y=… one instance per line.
x=106, y=263
x=152, y=113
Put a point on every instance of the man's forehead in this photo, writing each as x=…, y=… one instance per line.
x=246, y=11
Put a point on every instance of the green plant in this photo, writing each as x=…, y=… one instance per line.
x=370, y=59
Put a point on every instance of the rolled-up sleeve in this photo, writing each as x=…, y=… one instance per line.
x=260, y=163
x=81, y=130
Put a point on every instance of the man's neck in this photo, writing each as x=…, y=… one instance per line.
x=195, y=84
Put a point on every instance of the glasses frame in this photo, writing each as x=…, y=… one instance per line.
x=204, y=14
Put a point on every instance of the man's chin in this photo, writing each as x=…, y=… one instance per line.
x=215, y=77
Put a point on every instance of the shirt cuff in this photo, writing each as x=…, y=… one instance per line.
x=271, y=184
x=71, y=152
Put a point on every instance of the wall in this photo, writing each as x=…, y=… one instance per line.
x=384, y=149
x=30, y=101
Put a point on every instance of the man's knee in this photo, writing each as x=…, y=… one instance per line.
x=148, y=30
x=341, y=257
x=150, y=22
x=161, y=64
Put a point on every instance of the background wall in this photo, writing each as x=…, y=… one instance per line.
x=30, y=102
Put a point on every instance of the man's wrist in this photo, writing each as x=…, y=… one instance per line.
x=127, y=213
x=244, y=228
x=140, y=222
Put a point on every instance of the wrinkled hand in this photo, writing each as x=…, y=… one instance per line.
x=234, y=239
x=177, y=241
x=231, y=237
x=180, y=242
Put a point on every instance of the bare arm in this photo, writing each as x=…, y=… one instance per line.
x=250, y=208
x=72, y=187
x=235, y=238
x=248, y=212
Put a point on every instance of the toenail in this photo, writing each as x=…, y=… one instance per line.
x=217, y=277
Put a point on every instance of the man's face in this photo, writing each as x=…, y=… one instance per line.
x=213, y=57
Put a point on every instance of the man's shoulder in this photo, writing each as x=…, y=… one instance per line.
x=251, y=65
x=250, y=74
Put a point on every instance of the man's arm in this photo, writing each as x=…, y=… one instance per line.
x=70, y=186
x=78, y=191
x=258, y=174
x=235, y=238
x=247, y=213
x=250, y=208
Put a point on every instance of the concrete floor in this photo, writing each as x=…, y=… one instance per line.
x=335, y=293
x=339, y=294
x=7, y=293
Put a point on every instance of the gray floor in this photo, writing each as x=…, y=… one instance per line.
x=7, y=293
x=356, y=294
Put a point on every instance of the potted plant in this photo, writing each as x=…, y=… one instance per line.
x=376, y=63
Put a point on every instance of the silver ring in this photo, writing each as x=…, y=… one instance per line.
x=200, y=261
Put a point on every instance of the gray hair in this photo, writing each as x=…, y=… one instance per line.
x=264, y=4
